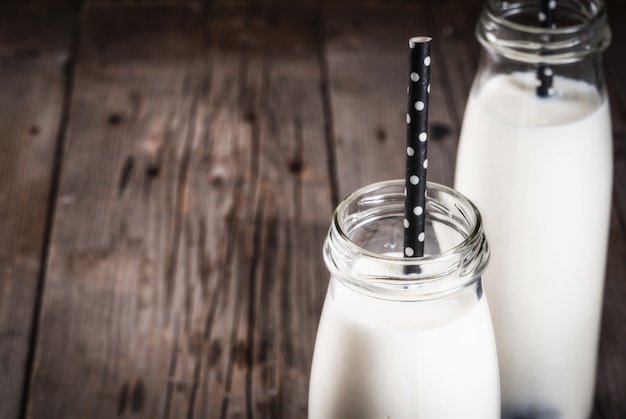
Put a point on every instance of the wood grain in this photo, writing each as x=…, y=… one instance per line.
x=110, y=310
x=259, y=207
x=195, y=285
x=34, y=52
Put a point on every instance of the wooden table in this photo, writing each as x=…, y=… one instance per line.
x=167, y=176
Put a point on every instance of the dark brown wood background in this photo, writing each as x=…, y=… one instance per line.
x=167, y=176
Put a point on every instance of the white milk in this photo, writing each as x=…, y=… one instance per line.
x=381, y=359
x=539, y=171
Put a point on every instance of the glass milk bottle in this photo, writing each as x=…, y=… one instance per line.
x=404, y=338
x=539, y=169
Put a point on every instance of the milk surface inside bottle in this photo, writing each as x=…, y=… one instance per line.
x=404, y=343
x=539, y=170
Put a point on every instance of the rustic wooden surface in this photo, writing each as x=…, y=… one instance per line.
x=167, y=176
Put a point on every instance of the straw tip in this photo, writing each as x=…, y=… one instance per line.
x=419, y=40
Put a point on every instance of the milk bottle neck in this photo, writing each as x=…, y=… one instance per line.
x=514, y=41
x=362, y=246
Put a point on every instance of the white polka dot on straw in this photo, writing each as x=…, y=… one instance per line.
x=415, y=76
x=410, y=151
x=414, y=180
x=408, y=251
x=422, y=137
x=419, y=105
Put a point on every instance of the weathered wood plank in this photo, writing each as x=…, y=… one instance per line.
x=259, y=207
x=200, y=262
x=457, y=51
x=34, y=50
x=367, y=53
x=110, y=310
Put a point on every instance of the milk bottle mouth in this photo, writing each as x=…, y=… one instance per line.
x=510, y=29
x=363, y=246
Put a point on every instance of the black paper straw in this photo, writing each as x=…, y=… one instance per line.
x=416, y=144
x=547, y=19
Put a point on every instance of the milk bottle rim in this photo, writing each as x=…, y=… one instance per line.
x=510, y=30
x=389, y=275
